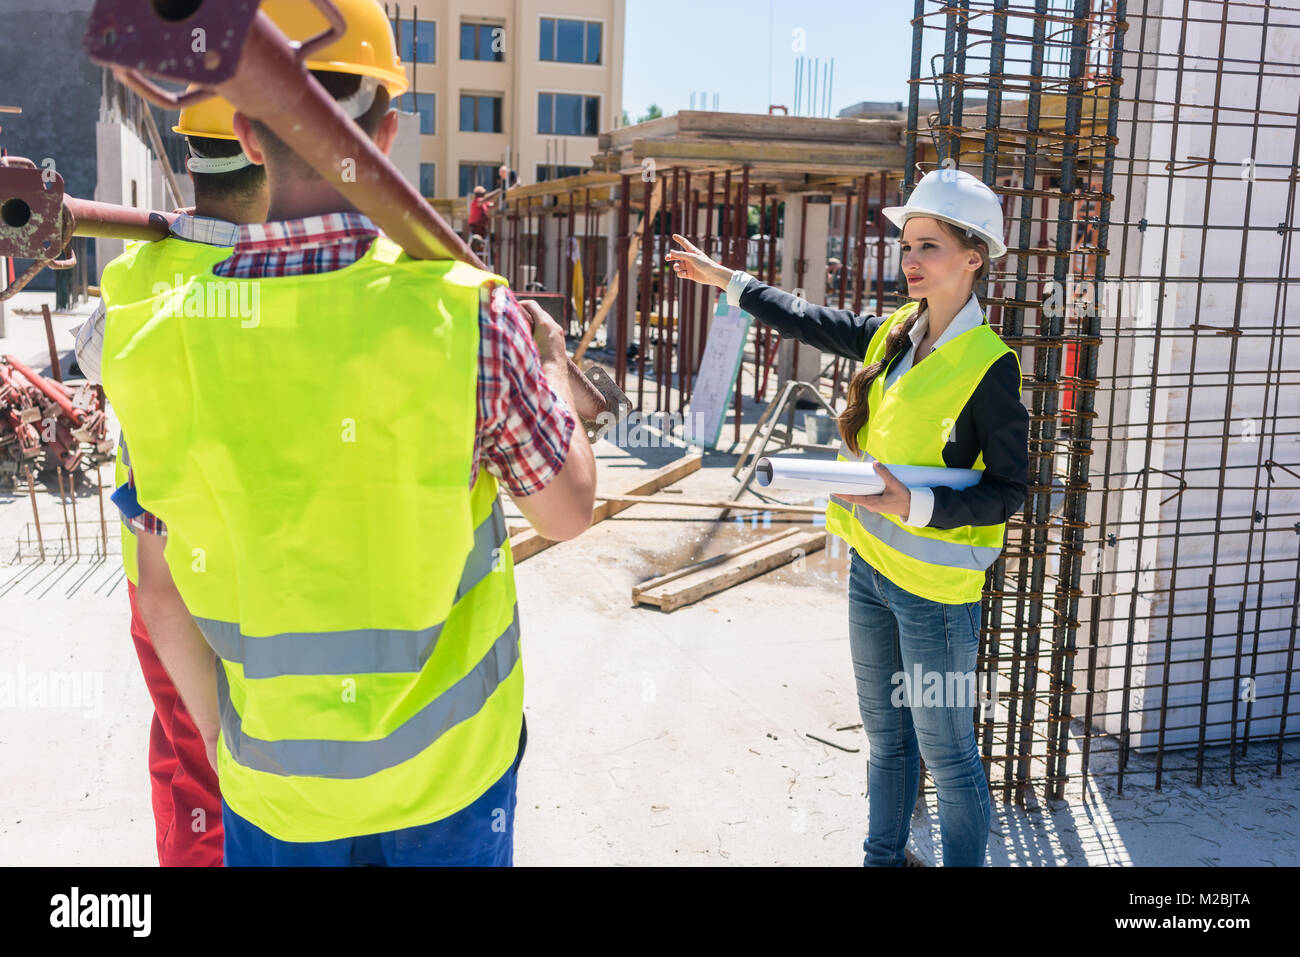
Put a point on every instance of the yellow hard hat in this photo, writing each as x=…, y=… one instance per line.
x=367, y=49
x=213, y=117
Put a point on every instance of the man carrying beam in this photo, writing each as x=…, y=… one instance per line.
x=327, y=467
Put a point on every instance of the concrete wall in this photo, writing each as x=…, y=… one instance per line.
x=43, y=70
x=405, y=153
x=128, y=175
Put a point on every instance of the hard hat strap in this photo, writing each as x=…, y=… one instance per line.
x=222, y=164
x=360, y=102
x=198, y=163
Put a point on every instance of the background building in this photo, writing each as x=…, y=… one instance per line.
x=530, y=82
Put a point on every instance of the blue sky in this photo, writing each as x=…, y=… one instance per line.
x=674, y=47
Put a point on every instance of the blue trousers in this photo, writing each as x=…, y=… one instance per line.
x=914, y=662
x=481, y=835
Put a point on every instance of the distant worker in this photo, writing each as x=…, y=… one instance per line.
x=327, y=467
x=479, y=209
x=834, y=277
x=938, y=387
x=229, y=191
x=509, y=179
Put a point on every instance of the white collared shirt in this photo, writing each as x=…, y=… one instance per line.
x=967, y=319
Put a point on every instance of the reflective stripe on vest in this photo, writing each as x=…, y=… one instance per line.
x=364, y=651
x=933, y=550
x=359, y=759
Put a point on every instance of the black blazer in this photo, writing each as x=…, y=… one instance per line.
x=994, y=421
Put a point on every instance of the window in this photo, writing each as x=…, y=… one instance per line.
x=477, y=174
x=415, y=40
x=480, y=113
x=482, y=41
x=568, y=114
x=545, y=172
x=423, y=103
x=428, y=187
x=570, y=41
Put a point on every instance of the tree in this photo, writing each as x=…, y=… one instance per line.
x=652, y=114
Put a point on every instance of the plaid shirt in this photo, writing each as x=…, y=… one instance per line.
x=523, y=428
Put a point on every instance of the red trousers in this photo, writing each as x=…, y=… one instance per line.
x=186, y=799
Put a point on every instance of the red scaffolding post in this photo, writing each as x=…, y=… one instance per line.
x=620, y=312
x=705, y=313
x=643, y=298
x=880, y=245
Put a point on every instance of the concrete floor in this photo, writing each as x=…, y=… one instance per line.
x=654, y=738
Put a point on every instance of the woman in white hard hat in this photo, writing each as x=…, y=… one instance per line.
x=937, y=388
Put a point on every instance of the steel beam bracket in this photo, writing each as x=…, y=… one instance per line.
x=31, y=210
x=618, y=405
x=190, y=41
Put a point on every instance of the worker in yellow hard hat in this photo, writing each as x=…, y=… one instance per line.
x=367, y=49
x=229, y=190
x=356, y=581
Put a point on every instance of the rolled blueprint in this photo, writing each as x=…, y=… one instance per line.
x=854, y=478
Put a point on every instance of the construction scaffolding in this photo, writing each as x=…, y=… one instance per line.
x=729, y=183
x=1146, y=601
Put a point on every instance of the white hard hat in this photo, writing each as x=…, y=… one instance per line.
x=956, y=197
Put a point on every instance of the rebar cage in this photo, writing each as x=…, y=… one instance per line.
x=1146, y=153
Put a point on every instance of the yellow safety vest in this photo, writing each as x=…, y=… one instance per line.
x=169, y=262
x=308, y=440
x=909, y=425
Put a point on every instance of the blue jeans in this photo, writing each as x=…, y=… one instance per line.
x=897, y=638
x=481, y=835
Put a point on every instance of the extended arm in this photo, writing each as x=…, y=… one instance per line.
x=839, y=331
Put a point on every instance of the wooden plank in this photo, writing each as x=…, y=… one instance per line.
x=764, y=154
x=713, y=562
x=611, y=290
x=527, y=543
x=806, y=129
x=772, y=507
x=593, y=178
x=689, y=585
x=660, y=126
